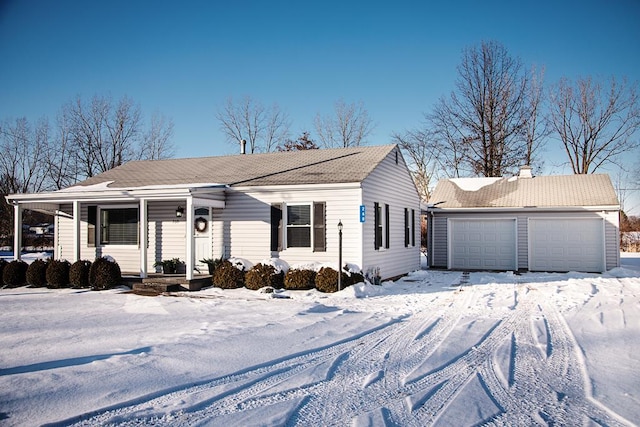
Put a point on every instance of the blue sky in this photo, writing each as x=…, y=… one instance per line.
x=184, y=59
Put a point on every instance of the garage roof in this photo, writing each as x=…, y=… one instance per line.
x=522, y=192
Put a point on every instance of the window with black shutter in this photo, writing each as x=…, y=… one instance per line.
x=377, y=219
x=406, y=227
x=119, y=226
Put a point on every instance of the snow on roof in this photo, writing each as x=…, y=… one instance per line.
x=473, y=184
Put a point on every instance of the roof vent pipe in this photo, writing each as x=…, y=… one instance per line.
x=525, y=172
x=243, y=146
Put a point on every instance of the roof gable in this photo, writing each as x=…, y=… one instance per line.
x=540, y=191
x=322, y=166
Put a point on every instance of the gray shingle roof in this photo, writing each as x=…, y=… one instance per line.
x=540, y=191
x=341, y=165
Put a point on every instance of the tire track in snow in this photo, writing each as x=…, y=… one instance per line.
x=368, y=375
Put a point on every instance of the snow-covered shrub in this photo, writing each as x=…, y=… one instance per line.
x=277, y=263
x=228, y=276
x=104, y=274
x=14, y=274
x=327, y=280
x=356, y=278
x=79, y=274
x=299, y=279
x=58, y=274
x=37, y=273
x=262, y=275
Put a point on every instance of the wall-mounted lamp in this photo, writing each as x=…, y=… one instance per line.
x=179, y=212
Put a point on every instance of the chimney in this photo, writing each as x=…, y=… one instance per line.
x=525, y=172
x=243, y=146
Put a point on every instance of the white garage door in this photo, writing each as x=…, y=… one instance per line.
x=487, y=244
x=566, y=245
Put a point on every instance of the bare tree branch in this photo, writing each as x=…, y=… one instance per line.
x=263, y=128
x=596, y=125
x=349, y=126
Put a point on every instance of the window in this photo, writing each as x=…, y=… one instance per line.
x=119, y=226
x=298, y=226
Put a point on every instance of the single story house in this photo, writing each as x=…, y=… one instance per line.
x=253, y=206
x=542, y=223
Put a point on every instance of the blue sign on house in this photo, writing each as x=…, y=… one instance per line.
x=362, y=213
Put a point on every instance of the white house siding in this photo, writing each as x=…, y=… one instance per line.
x=244, y=224
x=167, y=234
x=391, y=184
x=438, y=253
x=167, y=238
x=63, y=240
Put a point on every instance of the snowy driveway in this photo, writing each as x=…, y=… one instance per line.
x=500, y=349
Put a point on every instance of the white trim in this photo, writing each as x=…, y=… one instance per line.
x=190, y=262
x=17, y=231
x=143, y=238
x=76, y=231
x=517, y=210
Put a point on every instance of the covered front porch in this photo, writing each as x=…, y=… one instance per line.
x=175, y=223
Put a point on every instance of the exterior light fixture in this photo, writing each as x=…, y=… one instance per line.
x=179, y=212
x=340, y=255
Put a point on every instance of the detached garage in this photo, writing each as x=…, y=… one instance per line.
x=546, y=223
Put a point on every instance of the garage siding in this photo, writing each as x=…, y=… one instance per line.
x=439, y=254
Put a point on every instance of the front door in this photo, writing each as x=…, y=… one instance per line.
x=202, y=237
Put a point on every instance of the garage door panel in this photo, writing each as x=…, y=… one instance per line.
x=483, y=244
x=566, y=244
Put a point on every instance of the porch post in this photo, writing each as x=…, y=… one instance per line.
x=143, y=238
x=76, y=230
x=190, y=263
x=17, y=231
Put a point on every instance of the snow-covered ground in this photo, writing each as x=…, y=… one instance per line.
x=436, y=347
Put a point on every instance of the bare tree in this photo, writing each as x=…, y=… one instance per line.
x=22, y=161
x=349, y=126
x=263, y=128
x=536, y=128
x=156, y=141
x=423, y=158
x=481, y=126
x=596, y=123
x=103, y=136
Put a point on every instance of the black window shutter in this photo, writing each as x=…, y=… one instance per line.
x=319, y=227
x=387, y=222
x=92, y=216
x=406, y=227
x=276, y=227
x=378, y=231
